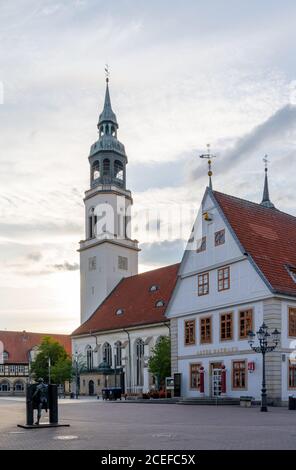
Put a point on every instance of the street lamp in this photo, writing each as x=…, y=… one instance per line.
x=265, y=346
x=49, y=370
x=76, y=375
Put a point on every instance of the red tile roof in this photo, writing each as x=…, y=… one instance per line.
x=132, y=295
x=267, y=235
x=19, y=343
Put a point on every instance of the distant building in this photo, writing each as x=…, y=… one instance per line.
x=19, y=350
x=240, y=273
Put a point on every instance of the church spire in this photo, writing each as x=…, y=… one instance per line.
x=266, y=202
x=107, y=155
x=107, y=115
x=209, y=157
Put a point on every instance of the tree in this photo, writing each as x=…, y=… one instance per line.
x=61, y=365
x=159, y=363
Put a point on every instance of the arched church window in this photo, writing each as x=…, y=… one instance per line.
x=113, y=131
x=96, y=170
x=118, y=354
x=90, y=226
x=89, y=358
x=139, y=347
x=107, y=353
x=118, y=170
x=106, y=167
x=91, y=223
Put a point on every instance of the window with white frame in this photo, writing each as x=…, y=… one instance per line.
x=19, y=386
x=118, y=354
x=107, y=353
x=223, y=278
x=89, y=358
x=139, y=346
x=203, y=284
x=4, y=386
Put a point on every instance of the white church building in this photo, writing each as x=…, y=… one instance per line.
x=238, y=271
x=122, y=312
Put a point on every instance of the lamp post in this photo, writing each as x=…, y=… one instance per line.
x=267, y=343
x=49, y=370
x=76, y=376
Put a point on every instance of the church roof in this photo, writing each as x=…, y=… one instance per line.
x=18, y=344
x=267, y=235
x=107, y=114
x=133, y=302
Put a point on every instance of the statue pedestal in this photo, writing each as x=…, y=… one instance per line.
x=42, y=425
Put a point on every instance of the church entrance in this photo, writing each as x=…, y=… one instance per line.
x=91, y=387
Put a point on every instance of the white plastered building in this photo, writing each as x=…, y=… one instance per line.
x=238, y=271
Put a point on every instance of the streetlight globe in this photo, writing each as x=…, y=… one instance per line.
x=276, y=335
x=261, y=333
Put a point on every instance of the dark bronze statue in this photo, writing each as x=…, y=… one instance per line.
x=40, y=398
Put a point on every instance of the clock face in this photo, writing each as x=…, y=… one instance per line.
x=220, y=237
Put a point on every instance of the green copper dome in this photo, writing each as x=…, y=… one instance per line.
x=104, y=368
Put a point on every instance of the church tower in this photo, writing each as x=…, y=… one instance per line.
x=108, y=253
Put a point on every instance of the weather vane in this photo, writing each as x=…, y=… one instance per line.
x=107, y=72
x=265, y=159
x=209, y=157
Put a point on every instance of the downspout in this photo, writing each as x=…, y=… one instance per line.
x=129, y=360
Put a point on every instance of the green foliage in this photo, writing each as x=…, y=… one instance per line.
x=160, y=362
x=61, y=371
x=61, y=365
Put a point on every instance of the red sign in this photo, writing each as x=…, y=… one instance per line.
x=251, y=366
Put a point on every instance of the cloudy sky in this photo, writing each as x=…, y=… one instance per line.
x=182, y=74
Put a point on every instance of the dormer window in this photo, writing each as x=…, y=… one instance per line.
x=160, y=303
x=119, y=311
x=220, y=237
x=292, y=272
x=153, y=288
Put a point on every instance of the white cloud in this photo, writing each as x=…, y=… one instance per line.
x=181, y=75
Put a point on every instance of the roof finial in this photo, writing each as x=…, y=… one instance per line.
x=107, y=114
x=209, y=157
x=107, y=72
x=266, y=202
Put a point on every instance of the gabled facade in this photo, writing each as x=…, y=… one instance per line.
x=234, y=275
x=19, y=350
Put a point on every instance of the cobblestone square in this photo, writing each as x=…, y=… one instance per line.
x=107, y=425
